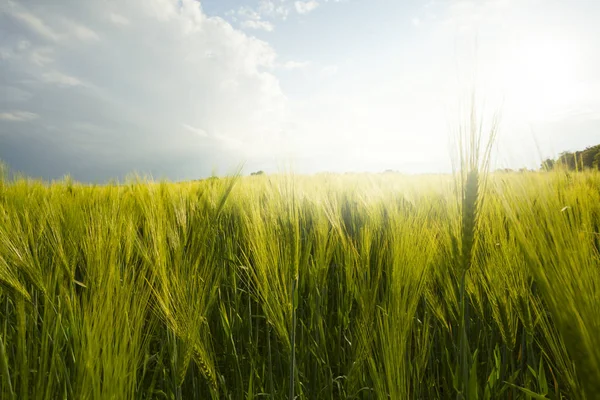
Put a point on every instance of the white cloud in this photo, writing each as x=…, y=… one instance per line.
x=56, y=29
x=18, y=116
x=24, y=50
x=42, y=56
x=251, y=19
x=330, y=70
x=304, y=7
x=194, y=130
x=263, y=15
x=260, y=25
x=230, y=142
x=289, y=65
x=173, y=70
x=118, y=19
x=274, y=8
x=82, y=32
x=37, y=25
x=59, y=78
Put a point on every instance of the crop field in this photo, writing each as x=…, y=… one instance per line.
x=382, y=286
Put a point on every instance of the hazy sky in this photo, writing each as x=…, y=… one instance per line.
x=179, y=88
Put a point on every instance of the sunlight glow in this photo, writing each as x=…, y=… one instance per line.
x=541, y=77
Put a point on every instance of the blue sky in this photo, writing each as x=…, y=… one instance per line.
x=181, y=88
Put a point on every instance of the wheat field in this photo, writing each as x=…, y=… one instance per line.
x=377, y=286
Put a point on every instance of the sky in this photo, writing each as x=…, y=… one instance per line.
x=183, y=89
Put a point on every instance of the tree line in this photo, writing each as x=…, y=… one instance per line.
x=579, y=160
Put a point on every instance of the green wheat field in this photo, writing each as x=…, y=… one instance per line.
x=381, y=286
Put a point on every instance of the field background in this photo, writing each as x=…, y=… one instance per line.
x=325, y=287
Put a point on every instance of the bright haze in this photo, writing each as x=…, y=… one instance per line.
x=180, y=89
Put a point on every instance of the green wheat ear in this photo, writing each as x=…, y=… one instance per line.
x=469, y=217
x=206, y=369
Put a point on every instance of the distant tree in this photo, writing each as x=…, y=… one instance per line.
x=547, y=164
x=579, y=160
x=257, y=173
x=566, y=159
x=588, y=156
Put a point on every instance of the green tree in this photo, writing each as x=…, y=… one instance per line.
x=588, y=156
x=547, y=164
x=567, y=160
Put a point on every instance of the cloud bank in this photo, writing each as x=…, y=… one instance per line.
x=106, y=87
